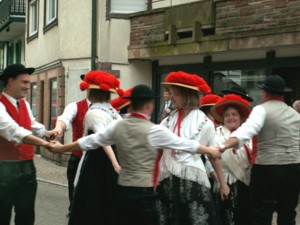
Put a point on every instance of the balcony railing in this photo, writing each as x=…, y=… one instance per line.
x=10, y=11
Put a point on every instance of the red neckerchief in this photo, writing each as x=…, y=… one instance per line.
x=158, y=157
x=138, y=115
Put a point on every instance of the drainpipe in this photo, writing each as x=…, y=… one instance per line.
x=94, y=35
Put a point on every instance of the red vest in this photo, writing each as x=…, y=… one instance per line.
x=10, y=150
x=77, y=124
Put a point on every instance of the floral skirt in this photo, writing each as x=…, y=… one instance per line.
x=184, y=202
x=236, y=209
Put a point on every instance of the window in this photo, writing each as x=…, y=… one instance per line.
x=245, y=78
x=50, y=11
x=18, y=51
x=53, y=104
x=33, y=18
x=33, y=98
x=128, y=6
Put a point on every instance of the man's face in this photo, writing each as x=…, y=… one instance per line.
x=167, y=96
x=19, y=86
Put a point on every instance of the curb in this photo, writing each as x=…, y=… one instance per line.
x=51, y=182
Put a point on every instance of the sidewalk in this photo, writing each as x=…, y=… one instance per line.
x=49, y=172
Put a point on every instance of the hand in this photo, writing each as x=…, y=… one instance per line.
x=214, y=152
x=49, y=135
x=55, y=147
x=224, y=191
x=117, y=168
x=167, y=110
x=58, y=133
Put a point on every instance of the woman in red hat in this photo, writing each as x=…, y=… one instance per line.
x=94, y=198
x=231, y=111
x=185, y=189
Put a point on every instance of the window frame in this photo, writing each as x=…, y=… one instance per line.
x=32, y=34
x=53, y=21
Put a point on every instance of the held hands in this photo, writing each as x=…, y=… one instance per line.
x=50, y=135
x=55, y=147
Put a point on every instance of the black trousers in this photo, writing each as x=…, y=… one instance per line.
x=137, y=205
x=274, y=188
x=71, y=173
x=18, y=188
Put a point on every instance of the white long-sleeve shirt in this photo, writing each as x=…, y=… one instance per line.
x=69, y=114
x=159, y=137
x=10, y=130
x=251, y=127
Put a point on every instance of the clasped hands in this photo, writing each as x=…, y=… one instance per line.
x=55, y=147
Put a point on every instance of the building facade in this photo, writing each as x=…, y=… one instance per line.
x=228, y=42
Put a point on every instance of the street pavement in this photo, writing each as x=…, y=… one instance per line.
x=50, y=173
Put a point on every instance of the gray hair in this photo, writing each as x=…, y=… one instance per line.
x=296, y=103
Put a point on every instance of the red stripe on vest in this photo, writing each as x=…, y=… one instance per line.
x=77, y=124
x=10, y=150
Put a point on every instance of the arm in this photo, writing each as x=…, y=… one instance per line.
x=33, y=140
x=90, y=142
x=223, y=187
x=111, y=155
x=160, y=137
x=64, y=121
x=59, y=129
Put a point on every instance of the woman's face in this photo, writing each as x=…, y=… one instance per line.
x=176, y=98
x=232, y=118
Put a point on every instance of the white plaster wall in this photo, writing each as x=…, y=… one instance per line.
x=69, y=40
x=138, y=72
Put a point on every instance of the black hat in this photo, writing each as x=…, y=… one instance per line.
x=274, y=84
x=14, y=70
x=238, y=90
x=141, y=92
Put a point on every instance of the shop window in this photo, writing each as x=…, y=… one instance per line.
x=246, y=78
x=33, y=99
x=53, y=104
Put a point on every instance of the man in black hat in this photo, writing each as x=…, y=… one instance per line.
x=136, y=139
x=275, y=182
x=18, y=183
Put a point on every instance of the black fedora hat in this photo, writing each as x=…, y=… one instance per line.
x=238, y=90
x=274, y=84
x=15, y=69
x=141, y=92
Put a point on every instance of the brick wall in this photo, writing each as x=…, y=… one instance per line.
x=253, y=15
x=147, y=29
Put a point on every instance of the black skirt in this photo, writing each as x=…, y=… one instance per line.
x=95, y=194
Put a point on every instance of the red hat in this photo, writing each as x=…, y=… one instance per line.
x=120, y=102
x=191, y=81
x=209, y=100
x=101, y=80
x=231, y=99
